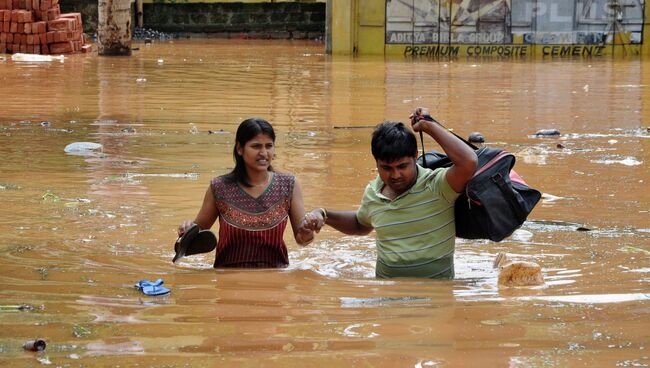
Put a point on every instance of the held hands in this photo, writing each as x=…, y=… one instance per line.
x=311, y=223
x=314, y=220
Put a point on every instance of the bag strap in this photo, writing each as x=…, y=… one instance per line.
x=430, y=118
x=424, y=153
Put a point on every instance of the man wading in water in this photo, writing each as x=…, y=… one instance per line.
x=411, y=208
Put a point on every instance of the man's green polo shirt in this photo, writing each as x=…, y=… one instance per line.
x=416, y=232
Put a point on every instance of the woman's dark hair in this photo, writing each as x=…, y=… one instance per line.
x=248, y=129
x=392, y=141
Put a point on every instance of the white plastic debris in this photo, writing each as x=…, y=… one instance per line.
x=83, y=148
x=36, y=57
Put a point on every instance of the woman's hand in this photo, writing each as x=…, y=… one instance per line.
x=314, y=220
x=182, y=228
x=310, y=224
x=305, y=235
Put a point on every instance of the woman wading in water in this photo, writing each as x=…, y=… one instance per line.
x=253, y=204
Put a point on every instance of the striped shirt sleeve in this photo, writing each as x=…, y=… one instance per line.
x=363, y=213
x=438, y=184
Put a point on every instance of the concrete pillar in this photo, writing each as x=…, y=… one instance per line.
x=328, y=27
x=114, y=28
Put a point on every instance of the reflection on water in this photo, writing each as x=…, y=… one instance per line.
x=80, y=230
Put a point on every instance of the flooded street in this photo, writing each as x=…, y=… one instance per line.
x=80, y=230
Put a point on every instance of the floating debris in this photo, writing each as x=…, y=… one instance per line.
x=147, y=35
x=547, y=133
x=43, y=271
x=184, y=175
x=521, y=235
x=49, y=196
x=627, y=161
x=517, y=273
x=546, y=225
x=44, y=360
x=220, y=131
x=80, y=331
x=590, y=298
x=19, y=307
x=631, y=249
x=476, y=137
x=9, y=186
x=382, y=301
x=35, y=345
x=37, y=58
x=356, y=127
x=83, y=148
x=550, y=198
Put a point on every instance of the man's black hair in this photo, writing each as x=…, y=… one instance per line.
x=392, y=141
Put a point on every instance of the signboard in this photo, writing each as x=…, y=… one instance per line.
x=501, y=22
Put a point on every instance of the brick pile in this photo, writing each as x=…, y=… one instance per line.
x=38, y=27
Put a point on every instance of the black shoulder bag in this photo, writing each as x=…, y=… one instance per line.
x=496, y=201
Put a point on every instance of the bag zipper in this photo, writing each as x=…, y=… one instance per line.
x=491, y=162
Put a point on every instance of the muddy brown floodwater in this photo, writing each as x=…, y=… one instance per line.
x=79, y=231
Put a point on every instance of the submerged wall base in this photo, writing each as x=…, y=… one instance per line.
x=287, y=20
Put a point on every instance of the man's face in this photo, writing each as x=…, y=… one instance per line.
x=399, y=175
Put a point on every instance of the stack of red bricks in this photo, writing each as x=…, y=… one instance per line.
x=38, y=27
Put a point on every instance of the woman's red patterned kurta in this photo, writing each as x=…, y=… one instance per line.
x=251, y=229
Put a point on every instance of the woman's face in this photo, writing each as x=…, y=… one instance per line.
x=257, y=152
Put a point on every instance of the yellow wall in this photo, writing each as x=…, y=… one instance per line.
x=358, y=26
x=342, y=26
x=371, y=26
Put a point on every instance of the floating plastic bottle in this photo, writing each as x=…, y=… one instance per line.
x=34, y=345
